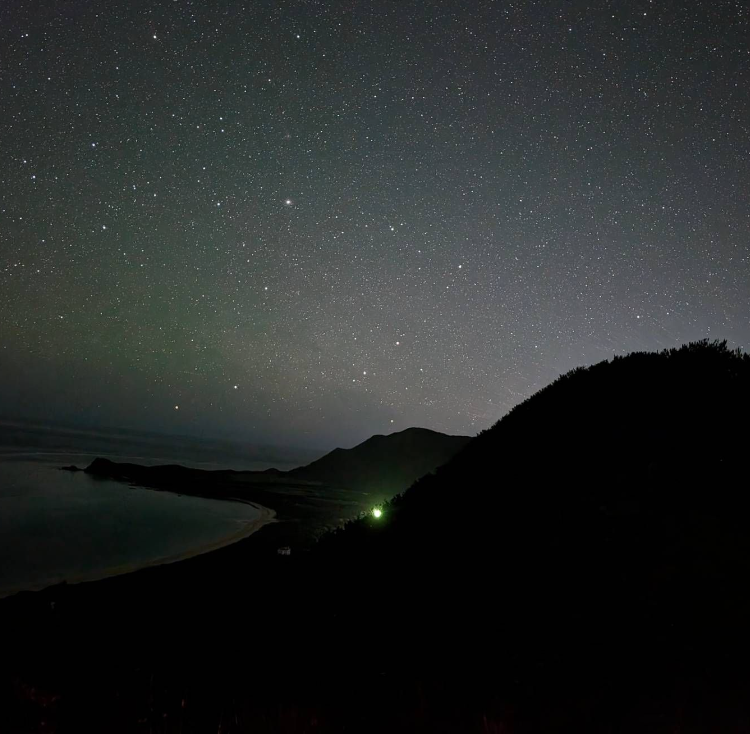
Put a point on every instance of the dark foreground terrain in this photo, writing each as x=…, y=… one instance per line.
x=583, y=565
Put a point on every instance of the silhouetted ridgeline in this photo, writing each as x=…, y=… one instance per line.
x=382, y=463
x=381, y=466
x=602, y=523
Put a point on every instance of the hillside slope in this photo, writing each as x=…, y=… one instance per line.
x=603, y=519
x=384, y=463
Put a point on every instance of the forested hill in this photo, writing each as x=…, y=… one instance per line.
x=604, y=517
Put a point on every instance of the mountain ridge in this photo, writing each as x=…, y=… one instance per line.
x=416, y=451
x=383, y=464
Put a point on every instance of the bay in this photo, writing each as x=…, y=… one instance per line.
x=63, y=526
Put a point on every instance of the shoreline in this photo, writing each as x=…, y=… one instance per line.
x=266, y=516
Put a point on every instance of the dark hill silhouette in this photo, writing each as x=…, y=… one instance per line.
x=382, y=463
x=603, y=530
x=382, y=466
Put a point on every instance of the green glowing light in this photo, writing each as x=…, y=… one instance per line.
x=377, y=512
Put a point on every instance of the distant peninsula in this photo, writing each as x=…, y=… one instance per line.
x=377, y=469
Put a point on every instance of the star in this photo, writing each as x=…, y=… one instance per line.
x=527, y=243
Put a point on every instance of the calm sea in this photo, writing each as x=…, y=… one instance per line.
x=57, y=525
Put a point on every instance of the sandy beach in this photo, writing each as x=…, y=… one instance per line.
x=265, y=516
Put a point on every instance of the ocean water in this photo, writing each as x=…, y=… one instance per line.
x=57, y=525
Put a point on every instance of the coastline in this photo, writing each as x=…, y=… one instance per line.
x=266, y=516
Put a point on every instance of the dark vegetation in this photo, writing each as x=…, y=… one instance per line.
x=583, y=565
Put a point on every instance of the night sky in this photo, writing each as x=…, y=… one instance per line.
x=308, y=222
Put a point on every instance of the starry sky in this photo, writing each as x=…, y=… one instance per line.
x=308, y=222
